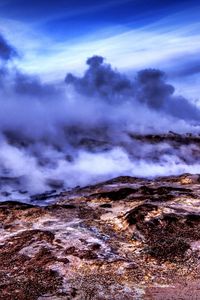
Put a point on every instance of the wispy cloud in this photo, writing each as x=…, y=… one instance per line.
x=163, y=44
x=82, y=10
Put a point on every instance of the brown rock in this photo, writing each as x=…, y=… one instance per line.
x=126, y=238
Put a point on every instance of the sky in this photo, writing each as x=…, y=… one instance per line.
x=54, y=37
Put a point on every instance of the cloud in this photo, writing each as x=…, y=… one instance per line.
x=7, y=52
x=129, y=49
x=25, y=84
x=80, y=131
x=187, y=67
x=100, y=80
x=152, y=88
x=149, y=87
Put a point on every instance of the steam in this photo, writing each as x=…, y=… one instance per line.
x=149, y=87
x=83, y=130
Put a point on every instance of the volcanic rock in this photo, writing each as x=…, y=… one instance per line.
x=126, y=238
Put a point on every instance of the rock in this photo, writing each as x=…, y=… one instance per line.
x=126, y=238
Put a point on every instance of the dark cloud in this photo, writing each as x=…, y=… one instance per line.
x=158, y=94
x=149, y=88
x=181, y=108
x=31, y=85
x=3, y=73
x=100, y=80
x=7, y=52
x=152, y=88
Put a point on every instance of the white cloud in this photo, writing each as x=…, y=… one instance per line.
x=127, y=49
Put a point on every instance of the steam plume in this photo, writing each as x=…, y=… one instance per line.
x=84, y=130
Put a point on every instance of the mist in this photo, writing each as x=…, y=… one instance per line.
x=86, y=129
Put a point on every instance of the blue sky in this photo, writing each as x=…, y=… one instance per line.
x=113, y=11
x=54, y=37
x=72, y=18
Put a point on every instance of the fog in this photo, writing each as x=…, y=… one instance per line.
x=91, y=128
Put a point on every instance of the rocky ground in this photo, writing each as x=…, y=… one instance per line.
x=126, y=238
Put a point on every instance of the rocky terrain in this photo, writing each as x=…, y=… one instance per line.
x=126, y=238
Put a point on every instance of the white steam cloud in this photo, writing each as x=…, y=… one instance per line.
x=91, y=128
